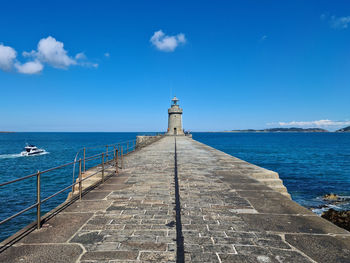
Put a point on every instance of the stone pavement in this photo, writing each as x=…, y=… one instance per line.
x=226, y=216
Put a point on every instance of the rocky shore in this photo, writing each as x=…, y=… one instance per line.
x=339, y=218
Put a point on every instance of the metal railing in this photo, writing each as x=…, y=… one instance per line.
x=102, y=161
x=123, y=148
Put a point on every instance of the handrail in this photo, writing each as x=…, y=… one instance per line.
x=99, y=146
x=116, y=152
x=104, y=145
x=18, y=179
x=58, y=167
x=94, y=147
x=17, y=214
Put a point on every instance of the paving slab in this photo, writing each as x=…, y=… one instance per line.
x=322, y=248
x=59, y=229
x=60, y=253
x=96, y=195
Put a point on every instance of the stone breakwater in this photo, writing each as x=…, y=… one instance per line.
x=142, y=141
x=199, y=201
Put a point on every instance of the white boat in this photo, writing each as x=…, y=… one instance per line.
x=31, y=150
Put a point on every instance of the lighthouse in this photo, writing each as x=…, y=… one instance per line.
x=175, y=118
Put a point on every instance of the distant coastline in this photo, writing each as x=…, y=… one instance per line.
x=7, y=132
x=292, y=129
x=346, y=129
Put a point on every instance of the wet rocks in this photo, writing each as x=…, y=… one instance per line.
x=330, y=197
x=339, y=218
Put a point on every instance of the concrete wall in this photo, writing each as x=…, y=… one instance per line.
x=142, y=141
x=269, y=178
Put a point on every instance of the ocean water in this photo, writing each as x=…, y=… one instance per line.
x=310, y=165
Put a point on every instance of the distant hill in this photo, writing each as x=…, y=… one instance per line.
x=6, y=132
x=293, y=129
x=346, y=129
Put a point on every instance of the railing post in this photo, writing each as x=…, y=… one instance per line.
x=38, y=201
x=121, y=156
x=114, y=152
x=133, y=145
x=107, y=153
x=80, y=178
x=127, y=148
x=84, y=159
x=103, y=167
x=116, y=161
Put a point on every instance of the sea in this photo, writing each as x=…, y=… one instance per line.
x=310, y=165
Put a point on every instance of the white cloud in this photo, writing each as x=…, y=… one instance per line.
x=49, y=51
x=323, y=16
x=107, y=55
x=81, y=60
x=31, y=67
x=336, y=22
x=53, y=53
x=181, y=38
x=88, y=64
x=319, y=123
x=167, y=43
x=80, y=56
x=7, y=57
x=28, y=54
x=340, y=22
x=262, y=38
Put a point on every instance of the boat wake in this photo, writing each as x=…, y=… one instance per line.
x=17, y=155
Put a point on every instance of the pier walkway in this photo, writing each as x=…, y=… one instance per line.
x=185, y=202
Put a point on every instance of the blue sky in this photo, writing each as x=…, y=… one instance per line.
x=114, y=65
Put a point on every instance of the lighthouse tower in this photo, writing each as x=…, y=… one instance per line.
x=175, y=119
